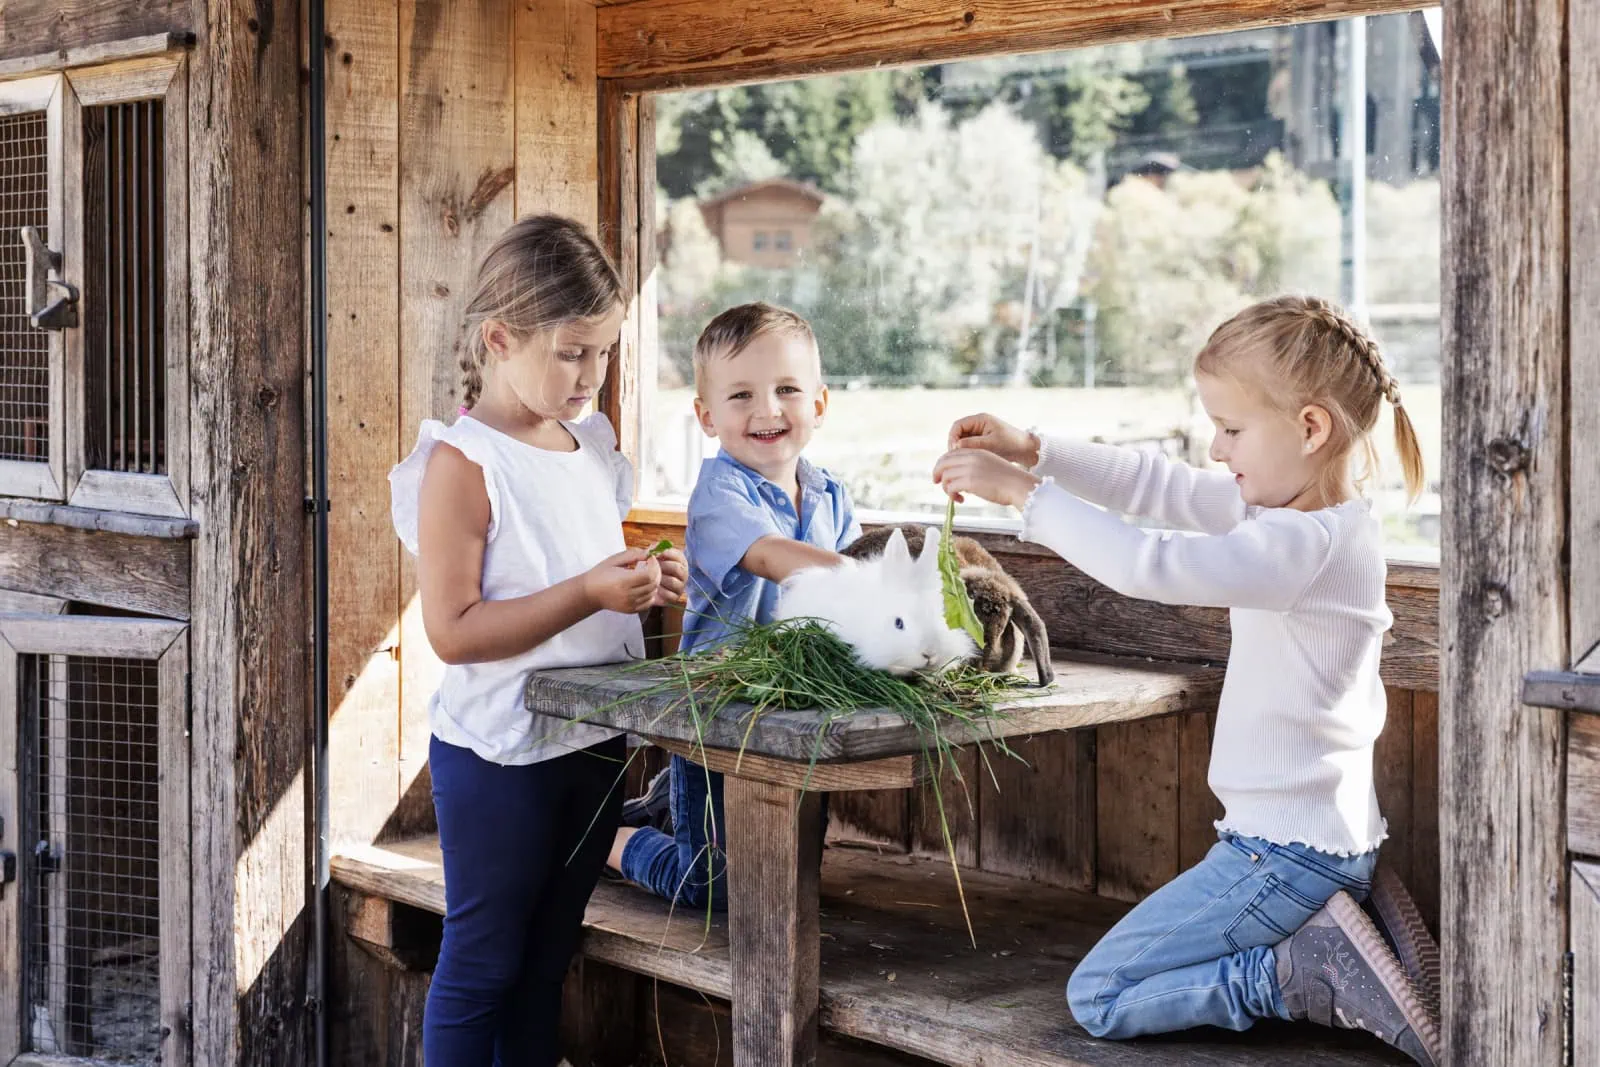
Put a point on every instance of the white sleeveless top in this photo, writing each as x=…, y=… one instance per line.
x=552, y=516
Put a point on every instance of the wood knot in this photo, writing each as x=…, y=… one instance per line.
x=267, y=398
x=1508, y=456
x=441, y=289
x=253, y=26
x=968, y=18
x=1496, y=601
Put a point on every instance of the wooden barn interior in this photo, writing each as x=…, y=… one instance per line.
x=253, y=227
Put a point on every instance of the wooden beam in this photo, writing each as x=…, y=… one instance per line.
x=113, y=570
x=621, y=193
x=1586, y=963
x=14, y=511
x=365, y=436
x=29, y=28
x=893, y=772
x=556, y=105
x=1583, y=784
x=248, y=643
x=663, y=44
x=89, y=55
x=1583, y=53
x=1504, y=607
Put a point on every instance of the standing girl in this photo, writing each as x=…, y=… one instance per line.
x=1268, y=925
x=515, y=515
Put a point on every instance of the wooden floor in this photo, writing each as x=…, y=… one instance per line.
x=898, y=970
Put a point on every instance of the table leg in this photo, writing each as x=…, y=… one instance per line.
x=774, y=867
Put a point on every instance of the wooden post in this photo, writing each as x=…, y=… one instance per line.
x=774, y=865
x=1503, y=609
x=249, y=641
x=1583, y=53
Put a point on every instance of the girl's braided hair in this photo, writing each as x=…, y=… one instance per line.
x=1305, y=350
x=543, y=272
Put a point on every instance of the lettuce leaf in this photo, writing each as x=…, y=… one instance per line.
x=958, y=612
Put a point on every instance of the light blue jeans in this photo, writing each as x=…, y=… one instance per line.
x=1198, y=951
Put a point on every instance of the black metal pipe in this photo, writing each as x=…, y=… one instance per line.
x=316, y=99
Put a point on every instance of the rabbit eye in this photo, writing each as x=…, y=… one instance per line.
x=899, y=624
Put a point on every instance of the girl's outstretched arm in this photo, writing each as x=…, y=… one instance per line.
x=462, y=627
x=1122, y=479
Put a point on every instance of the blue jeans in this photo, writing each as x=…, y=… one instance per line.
x=1198, y=951
x=523, y=848
x=688, y=866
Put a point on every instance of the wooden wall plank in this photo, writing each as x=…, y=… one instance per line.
x=1137, y=810
x=619, y=203
x=1585, y=963
x=1037, y=813
x=251, y=620
x=878, y=817
x=1504, y=604
x=1198, y=807
x=1392, y=772
x=457, y=164
x=556, y=104
x=961, y=787
x=1424, y=885
x=112, y=569
x=1583, y=783
x=364, y=430
x=663, y=43
x=32, y=27
x=1583, y=206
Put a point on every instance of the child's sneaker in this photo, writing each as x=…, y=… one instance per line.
x=654, y=808
x=1400, y=923
x=1336, y=970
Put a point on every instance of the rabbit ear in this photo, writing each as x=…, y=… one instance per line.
x=1036, y=637
x=929, y=559
x=895, y=552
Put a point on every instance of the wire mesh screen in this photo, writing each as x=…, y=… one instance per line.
x=91, y=955
x=24, y=351
x=124, y=265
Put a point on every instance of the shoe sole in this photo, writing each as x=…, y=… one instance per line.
x=1413, y=944
x=1364, y=935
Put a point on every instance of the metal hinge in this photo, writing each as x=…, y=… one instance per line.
x=1566, y=1009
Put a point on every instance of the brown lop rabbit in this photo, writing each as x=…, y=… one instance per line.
x=1009, y=622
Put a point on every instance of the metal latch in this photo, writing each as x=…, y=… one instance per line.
x=46, y=314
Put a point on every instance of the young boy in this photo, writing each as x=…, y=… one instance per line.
x=758, y=513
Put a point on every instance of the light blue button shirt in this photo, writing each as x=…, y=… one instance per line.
x=732, y=507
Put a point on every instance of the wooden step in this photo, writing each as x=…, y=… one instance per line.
x=897, y=967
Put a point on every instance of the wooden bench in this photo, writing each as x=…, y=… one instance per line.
x=897, y=968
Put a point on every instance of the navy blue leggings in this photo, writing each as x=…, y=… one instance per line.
x=523, y=848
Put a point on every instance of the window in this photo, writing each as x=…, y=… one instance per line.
x=94, y=260
x=783, y=241
x=1051, y=237
x=759, y=241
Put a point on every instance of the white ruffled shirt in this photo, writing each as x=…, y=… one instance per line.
x=552, y=516
x=1302, y=702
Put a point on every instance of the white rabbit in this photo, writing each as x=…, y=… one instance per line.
x=889, y=609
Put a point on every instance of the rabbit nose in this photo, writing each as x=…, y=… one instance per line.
x=928, y=657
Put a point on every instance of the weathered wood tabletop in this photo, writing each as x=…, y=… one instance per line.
x=1088, y=691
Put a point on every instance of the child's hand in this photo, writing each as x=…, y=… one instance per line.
x=986, y=432
x=985, y=474
x=674, y=577
x=626, y=582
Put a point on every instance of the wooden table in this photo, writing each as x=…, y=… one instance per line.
x=778, y=767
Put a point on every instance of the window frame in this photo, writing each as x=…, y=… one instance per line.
x=165, y=643
x=46, y=93
x=161, y=78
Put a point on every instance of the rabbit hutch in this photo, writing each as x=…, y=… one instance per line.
x=236, y=240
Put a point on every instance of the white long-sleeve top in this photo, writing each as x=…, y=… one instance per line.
x=1302, y=702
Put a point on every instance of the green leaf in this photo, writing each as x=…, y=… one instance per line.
x=958, y=611
x=660, y=547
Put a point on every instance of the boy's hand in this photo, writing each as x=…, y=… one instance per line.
x=984, y=474
x=674, y=577
x=986, y=432
x=626, y=582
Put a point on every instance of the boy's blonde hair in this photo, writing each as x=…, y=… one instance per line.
x=732, y=331
x=545, y=271
x=1300, y=350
